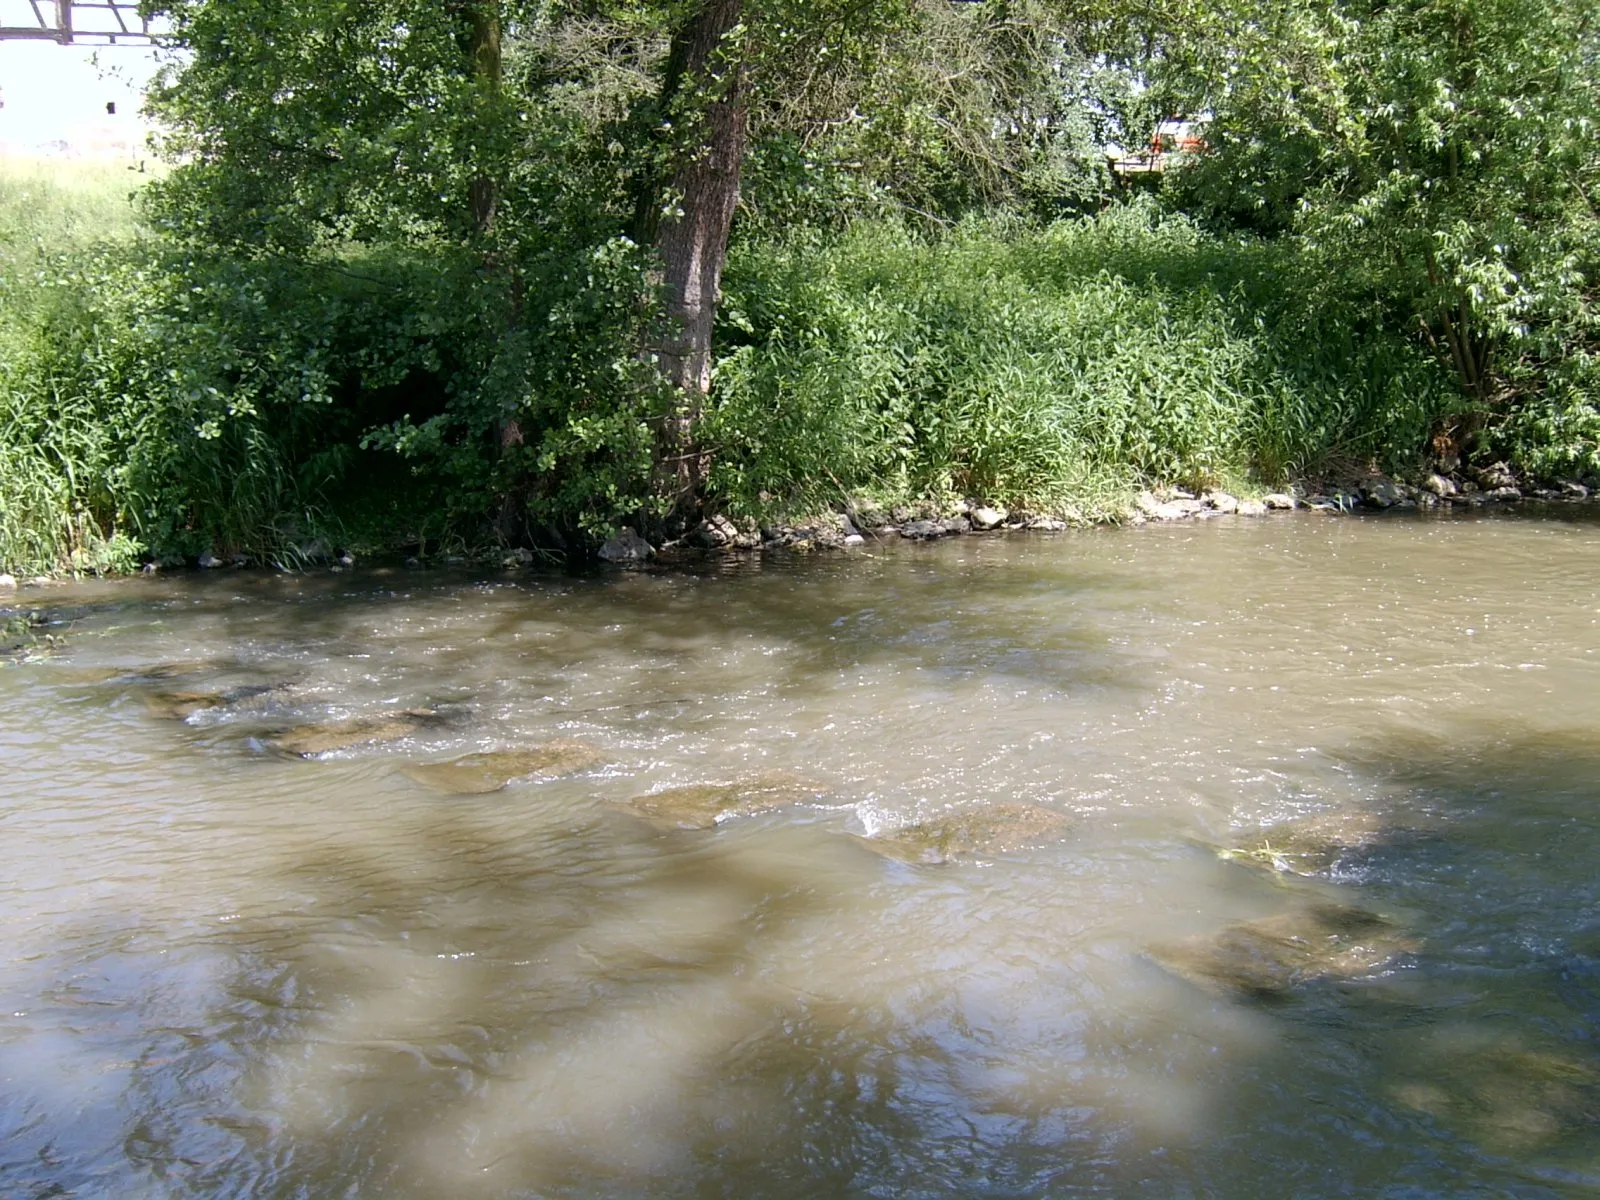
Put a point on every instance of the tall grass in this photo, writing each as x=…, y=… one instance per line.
x=1050, y=367
x=54, y=449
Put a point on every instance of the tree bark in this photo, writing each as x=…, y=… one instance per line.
x=488, y=65
x=703, y=96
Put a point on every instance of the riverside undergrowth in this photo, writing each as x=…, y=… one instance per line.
x=1050, y=367
x=162, y=400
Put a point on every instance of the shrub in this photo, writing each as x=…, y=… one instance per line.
x=1047, y=366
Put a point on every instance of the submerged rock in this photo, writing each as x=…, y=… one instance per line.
x=997, y=829
x=482, y=773
x=1308, y=846
x=1271, y=957
x=181, y=704
x=307, y=741
x=1505, y=1096
x=702, y=805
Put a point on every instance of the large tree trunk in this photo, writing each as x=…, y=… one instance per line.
x=704, y=97
x=488, y=65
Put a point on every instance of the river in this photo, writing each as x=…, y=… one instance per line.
x=1241, y=858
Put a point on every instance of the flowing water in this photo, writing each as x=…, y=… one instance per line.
x=1252, y=858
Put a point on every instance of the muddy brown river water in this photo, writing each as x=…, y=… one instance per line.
x=1249, y=858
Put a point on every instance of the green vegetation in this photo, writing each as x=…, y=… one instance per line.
x=1050, y=367
x=450, y=276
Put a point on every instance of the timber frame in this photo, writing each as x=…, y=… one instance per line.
x=81, y=22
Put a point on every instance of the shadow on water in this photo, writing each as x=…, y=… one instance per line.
x=554, y=999
x=467, y=1006
x=532, y=994
x=1480, y=1050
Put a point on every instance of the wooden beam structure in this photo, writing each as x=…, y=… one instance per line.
x=75, y=22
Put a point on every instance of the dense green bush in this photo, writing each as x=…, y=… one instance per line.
x=177, y=401
x=1048, y=366
x=173, y=401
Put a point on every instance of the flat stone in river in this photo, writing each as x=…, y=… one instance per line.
x=181, y=704
x=480, y=774
x=308, y=741
x=702, y=805
x=1503, y=1095
x=995, y=829
x=1307, y=846
x=1268, y=958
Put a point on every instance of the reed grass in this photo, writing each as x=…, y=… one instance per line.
x=1053, y=368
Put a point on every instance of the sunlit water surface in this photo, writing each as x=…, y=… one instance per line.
x=227, y=971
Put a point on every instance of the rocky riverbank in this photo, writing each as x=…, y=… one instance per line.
x=862, y=521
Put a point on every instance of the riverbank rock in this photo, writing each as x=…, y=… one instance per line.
x=868, y=514
x=485, y=772
x=703, y=805
x=1495, y=475
x=1279, y=500
x=928, y=530
x=996, y=829
x=1166, y=510
x=18, y=632
x=1308, y=846
x=1269, y=958
x=626, y=548
x=985, y=518
x=1252, y=508
x=1221, y=502
x=308, y=741
x=8, y=583
x=1380, y=492
x=715, y=533
x=1441, y=486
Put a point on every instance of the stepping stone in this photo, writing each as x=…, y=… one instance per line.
x=1307, y=847
x=307, y=741
x=702, y=805
x=483, y=773
x=180, y=705
x=995, y=829
x=1268, y=958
